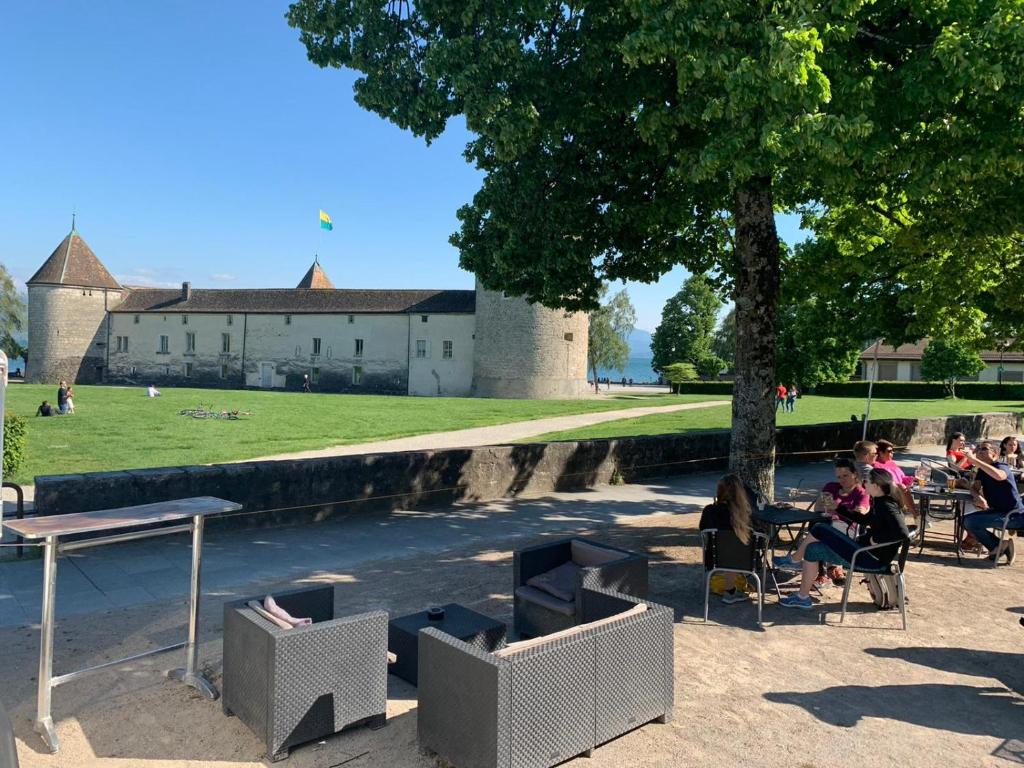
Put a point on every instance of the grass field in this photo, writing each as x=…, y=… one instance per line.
x=809, y=410
x=120, y=428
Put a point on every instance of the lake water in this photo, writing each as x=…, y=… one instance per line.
x=638, y=369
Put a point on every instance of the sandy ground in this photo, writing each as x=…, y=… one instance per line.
x=801, y=692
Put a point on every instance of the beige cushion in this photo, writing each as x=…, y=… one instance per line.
x=392, y=658
x=560, y=581
x=586, y=555
x=513, y=648
x=549, y=601
x=255, y=606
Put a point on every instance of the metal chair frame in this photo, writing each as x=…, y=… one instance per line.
x=1003, y=530
x=895, y=568
x=758, y=549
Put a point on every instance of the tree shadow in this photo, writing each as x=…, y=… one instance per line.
x=1007, y=668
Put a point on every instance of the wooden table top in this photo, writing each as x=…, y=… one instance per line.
x=125, y=517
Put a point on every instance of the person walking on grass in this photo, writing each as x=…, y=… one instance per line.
x=791, y=398
x=305, y=383
x=780, y=397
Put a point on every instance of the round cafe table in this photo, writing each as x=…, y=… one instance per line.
x=957, y=498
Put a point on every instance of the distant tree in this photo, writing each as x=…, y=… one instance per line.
x=12, y=315
x=679, y=373
x=610, y=326
x=815, y=343
x=709, y=366
x=687, y=324
x=948, y=361
x=724, y=343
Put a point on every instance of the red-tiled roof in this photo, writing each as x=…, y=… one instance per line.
x=74, y=263
x=315, y=278
x=914, y=351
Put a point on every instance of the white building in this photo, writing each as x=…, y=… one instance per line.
x=903, y=363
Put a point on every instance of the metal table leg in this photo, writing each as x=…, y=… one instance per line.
x=44, y=720
x=189, y=674
x=922, y=508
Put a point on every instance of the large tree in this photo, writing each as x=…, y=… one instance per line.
x=724, y=343
x=948, y=361
x=610, y=326
x=685, y=333
x=619, y=138
x=12, y=315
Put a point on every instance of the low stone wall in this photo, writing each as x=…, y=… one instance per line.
x=313, y=489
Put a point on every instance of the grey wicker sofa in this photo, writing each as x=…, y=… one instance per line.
x=294, y=685
x=550, y=702
x=8, y=749
x=539, y=613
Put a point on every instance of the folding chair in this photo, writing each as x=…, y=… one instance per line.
x=896, y=568
x=725, y=553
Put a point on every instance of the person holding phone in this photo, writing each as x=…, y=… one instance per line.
x=995, y=495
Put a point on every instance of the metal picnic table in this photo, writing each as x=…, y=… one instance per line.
x=50, y=528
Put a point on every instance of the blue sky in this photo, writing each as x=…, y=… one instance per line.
x=196, y=142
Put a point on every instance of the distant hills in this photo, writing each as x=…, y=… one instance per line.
x=640, y=344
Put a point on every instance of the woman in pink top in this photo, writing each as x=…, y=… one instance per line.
x=885, y=461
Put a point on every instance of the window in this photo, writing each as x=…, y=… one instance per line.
x=184, y=319
x=421, y=347
x=223, y=371
x=446, y=349
x=1016, y=376
x=287, y=319
x=567, y=336
x=887, y=371
x=359, y=347
x=357, y=375
x=188, y=369
x=423, y=318
x=122, y=343
x=316, y=345
x=351, y=319
x=190, y=343
x=136, y=319
x=133, y=369
x=225, y=343
x=167, y=370
x=164, y=345
x=314, y=376
x=230, y=320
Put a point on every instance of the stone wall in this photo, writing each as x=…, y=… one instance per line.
x=313, y=489
x=67, y=333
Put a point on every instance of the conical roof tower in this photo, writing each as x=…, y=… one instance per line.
x=315, y=277
x=74, y=263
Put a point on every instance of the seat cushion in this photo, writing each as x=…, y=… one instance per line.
x=549, y=601
x=560, y=581
x=513, y=648
x=588, y=555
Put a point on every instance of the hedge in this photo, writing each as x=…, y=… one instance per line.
x=14, y=444
x=897, y=390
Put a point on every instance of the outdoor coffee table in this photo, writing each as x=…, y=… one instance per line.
x=474, y=628
x=958, y=497
x=51, y=527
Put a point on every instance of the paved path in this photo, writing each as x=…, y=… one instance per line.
x=495, y=435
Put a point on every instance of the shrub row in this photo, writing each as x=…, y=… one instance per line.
x=898, y=390
x=14, y=444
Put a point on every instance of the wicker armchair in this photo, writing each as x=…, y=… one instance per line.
x=8, y=749
x=543, y=704
x=539, y=613
x=291, y=686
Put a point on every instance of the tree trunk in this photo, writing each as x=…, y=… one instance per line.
x=752, y=444
x=597, y=384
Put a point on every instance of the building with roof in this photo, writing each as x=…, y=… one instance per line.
x=85, y=327
x=903, y=363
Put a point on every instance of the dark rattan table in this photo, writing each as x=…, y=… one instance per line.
x=474, y=628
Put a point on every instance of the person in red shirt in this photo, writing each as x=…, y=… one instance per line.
x=955, y=454
x=780, y=396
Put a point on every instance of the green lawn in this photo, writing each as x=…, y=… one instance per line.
x=809, y=410
x=120, y=428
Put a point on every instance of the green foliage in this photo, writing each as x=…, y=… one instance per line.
x=947, y=361
x=12, y=315
x=709, y=366
x=917, y=390
x=678, y=373
x=14, y=445
x=724, y=343
x=610, y=326
x=687, y=324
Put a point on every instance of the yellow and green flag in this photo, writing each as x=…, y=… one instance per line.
x=325, y=221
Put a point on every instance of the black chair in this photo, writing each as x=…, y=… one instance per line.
x=725, y=553
x=895, y=568
x=8, y=750
x=1016, y=524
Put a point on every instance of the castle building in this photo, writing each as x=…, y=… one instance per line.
x=86, y=327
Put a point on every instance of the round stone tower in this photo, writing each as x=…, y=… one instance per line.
x=526, y=350
x=68, y=299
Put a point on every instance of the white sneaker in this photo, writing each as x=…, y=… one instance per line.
x=735, y=596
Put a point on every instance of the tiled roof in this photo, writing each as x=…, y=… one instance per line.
x=74, y=263
x=298, y=301
x=315, y=278
x=914, y=351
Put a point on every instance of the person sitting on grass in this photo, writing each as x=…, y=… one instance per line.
x=864, y=454
x=730, y=510
x=885, y=525
x=995, y=495
x=45, y=409
x=152, y=391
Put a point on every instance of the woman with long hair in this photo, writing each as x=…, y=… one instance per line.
x=955, y=451
x=885, y=524
x=730, y=510
x=1009, y=452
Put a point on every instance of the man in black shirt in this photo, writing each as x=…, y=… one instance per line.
x=995, y=496
x=62, y=397
x=45, y=409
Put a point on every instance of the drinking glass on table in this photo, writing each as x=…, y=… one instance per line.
x=921, y=475
x=951, y=483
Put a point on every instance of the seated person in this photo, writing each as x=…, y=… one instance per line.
x=845, y=497
x=730, y=510
x=885, y=523
x=885, y=461
x=995, y=495
x=152, y=391
x=864, y=453
x=1009, y=452
x=955, y=455
x=45, y=409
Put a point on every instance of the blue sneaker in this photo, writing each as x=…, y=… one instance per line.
x=795, y=601
x=786, y=563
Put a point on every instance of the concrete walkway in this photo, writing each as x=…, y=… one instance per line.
x=495, y=435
